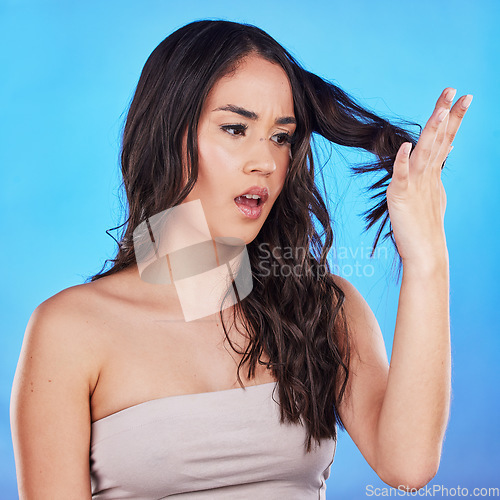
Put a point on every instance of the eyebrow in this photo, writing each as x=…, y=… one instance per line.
x=282, y=120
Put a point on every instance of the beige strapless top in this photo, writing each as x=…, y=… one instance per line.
x=213, y=445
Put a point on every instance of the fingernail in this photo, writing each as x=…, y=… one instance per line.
x=466, y=101
x=450, y=94
x=442, y=114
x=406, y=148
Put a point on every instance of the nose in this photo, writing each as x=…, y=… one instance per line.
x=260, y=158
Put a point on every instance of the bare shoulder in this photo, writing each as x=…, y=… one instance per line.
x=355, y=306
x=78, y=314
x=61, y=338
x=66, y=323
x=368, y=371
x=69, y=337
x=57, y=370
x=346, y=286
x=67, y=341
x=364, y=331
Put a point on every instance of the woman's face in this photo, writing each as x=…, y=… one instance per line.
x=243, y=138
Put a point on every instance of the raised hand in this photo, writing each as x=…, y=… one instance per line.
x=416, y=198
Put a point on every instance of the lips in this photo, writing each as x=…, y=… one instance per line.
x=250, y=207
x=260, y=191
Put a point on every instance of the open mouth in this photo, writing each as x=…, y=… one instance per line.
x=255, y=201
x=249, y=207
x=251, y=201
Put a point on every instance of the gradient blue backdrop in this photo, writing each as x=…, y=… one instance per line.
x=68, y=73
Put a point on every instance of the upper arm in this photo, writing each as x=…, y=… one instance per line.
x=50, y=404
x=368, y=372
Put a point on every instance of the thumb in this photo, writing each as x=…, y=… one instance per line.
x=401, y=168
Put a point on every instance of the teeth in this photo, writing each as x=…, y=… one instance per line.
x=254, y=196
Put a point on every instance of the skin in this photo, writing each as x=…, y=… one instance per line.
x=397, y=414
x=86, y=355
x=231, y=159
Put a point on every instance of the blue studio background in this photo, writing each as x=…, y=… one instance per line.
x=69, y=70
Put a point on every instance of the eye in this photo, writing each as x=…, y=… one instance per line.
x=283, y=139
x=235, y=130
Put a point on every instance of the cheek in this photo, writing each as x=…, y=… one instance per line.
x=212, y=156
x=214, y=165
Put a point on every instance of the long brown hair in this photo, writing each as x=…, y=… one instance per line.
x=297, y=319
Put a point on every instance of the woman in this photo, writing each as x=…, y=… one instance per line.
x=220, y=124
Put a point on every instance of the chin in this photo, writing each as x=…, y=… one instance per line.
x=243, y=234
x=232, y=224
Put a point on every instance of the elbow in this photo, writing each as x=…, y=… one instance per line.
x=410, y=477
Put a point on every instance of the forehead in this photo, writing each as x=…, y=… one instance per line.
x=256, y=83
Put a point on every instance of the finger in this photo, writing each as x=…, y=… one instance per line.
x=401, y=168
x=424, y=147
x=438, y=142
x=423, y=152
x=444, y=101
x=446, y=98
x=456, y=116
